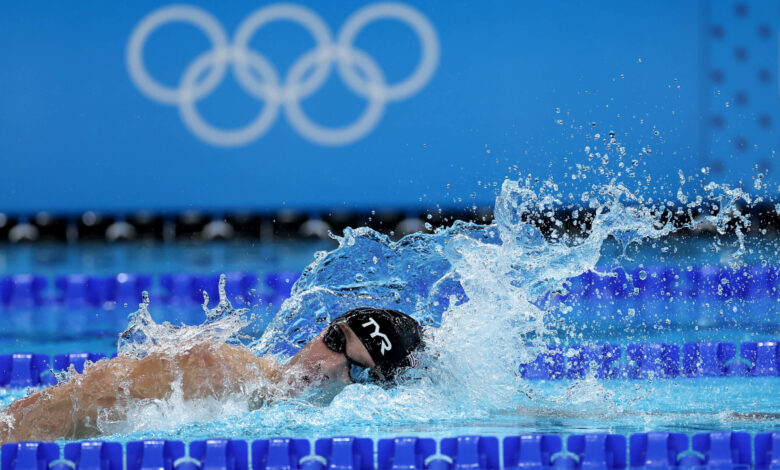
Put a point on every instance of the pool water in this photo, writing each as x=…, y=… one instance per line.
x=551, y=406
x=50, y=327
x=493, y=298
x=560, y=407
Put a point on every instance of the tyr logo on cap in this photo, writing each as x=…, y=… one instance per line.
x=386, y=345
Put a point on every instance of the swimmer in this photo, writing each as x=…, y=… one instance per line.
x=372, y=343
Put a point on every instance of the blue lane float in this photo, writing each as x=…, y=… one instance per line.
x=94, y=455
x=77, y=305
x=644, y=284
x=533, y=451
x=25, y=291
x=280, y=453
x=77, y=360
x=405, y=452
x=343, y=453
x=22, y=291
x=767, y=448
x=595, y=451
x=230, y=454
x=601, y=359
x=711, y=282
x=652, y=360
x=468, y=452
x=153, y=454
x=721, y=450
x=657, y=360
x=20, y=370
x=661, y=450
x=28, y=455
x=25, y=370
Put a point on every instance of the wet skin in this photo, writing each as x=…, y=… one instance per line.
x=320, y=363
x=70, y=410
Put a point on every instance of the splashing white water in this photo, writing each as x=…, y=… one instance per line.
x=484, y=290
x=144, y=336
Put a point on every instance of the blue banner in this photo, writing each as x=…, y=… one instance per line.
x=121, y=106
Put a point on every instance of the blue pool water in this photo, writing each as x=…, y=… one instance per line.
x=54, y=330
x=493, y=298
x=562, y=407
x=747, y=318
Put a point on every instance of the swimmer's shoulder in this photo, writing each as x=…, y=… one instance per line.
x=244, y=358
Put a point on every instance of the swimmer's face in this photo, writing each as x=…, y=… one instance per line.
x=319, y=363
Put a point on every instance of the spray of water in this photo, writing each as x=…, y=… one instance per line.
x=484, y=292
x=144, y=336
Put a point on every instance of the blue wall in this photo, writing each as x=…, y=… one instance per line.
x=77, y=132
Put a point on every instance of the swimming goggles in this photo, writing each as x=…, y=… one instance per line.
x=335, y=340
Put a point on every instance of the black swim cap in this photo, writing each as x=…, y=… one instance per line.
x=390, y=337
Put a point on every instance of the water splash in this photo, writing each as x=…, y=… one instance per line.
x=488, y=289
x=485, y=292
x=144, y=336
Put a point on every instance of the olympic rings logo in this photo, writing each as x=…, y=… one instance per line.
x=275, y=92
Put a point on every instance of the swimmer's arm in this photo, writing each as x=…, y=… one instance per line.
x=70, y=410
